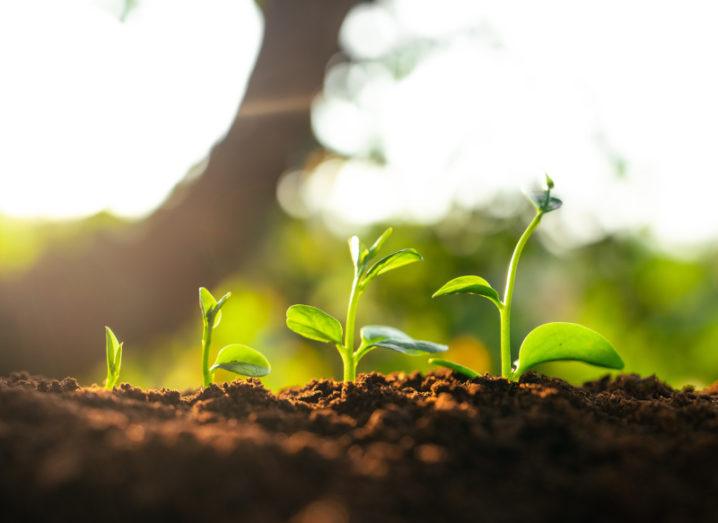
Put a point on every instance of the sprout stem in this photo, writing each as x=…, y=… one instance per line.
x=505, y=309
x=206, y=341
x=347, y=351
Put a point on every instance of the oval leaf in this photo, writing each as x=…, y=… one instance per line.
x=566, y=342
x=469, y=285
x=314, y=323
x=459, y=369
x=112, y=345
x=396, y=340
x=393, y=261
x=243, y=360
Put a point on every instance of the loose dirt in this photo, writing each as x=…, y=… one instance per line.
x=387, y=448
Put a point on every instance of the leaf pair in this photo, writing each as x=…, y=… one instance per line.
x=113, y=357
x=210, y=307
x=315, y=324
x=362, y=257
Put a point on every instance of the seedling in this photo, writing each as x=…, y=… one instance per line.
x=113, y=357
x=548, y=342
x=235, y=357
x=315, y=324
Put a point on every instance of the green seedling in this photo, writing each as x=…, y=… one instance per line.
x=113, y=357
x=548, y=342
x=315, y=324
x=236, y=357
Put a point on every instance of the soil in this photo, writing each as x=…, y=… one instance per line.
x=387, y=448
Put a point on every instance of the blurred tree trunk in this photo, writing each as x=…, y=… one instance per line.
x=143, y=281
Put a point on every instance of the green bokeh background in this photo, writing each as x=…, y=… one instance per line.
x=659, y=310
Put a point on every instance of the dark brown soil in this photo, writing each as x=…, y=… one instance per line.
x=392, y=448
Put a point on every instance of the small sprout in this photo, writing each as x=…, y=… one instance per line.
x=548, y=342
x=236, y=358
x=315, y=324
x=113, y=357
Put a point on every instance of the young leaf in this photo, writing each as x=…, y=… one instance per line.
x=469, y=285
x=206, y=301
x=243, y=360
x=459, y=369
x=396, y=340
x=314, y=323
x=118, y=364
x=378, y=244
x=113, y=357
x=209, y=305
x=566, y=341
x=392, y=261
x=110, y=344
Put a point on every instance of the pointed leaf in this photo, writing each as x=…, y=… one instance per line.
x=566, y=342
x=378, y=244
x=109, y=355
x=111, y=347
x=396, y=340
x=243, y=360
x=210, y=306
x=469, y=285
x=392, y=261
x=460, y=369
x=314, y=323
x=206, y=301
x=118, y=363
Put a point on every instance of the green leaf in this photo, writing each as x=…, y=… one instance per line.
x=112, y=345
x=314, y=323
x=392, y=261
x=243, y=360
x=210, y=306
x=378, y=244
x=113, y=357
x=206, y=301
x=118, y=364
x=566, y=342
x=459, y=369
x=469, y=285
x=396, y=340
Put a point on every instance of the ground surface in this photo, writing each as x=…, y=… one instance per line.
x=385, y=449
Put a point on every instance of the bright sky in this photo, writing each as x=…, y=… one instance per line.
x=523, y=87
x=97, y=114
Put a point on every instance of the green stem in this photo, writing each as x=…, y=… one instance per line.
x=206, y=341
x=348, y=349
x=505, y=309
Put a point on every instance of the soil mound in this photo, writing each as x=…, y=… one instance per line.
x=386, y=448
